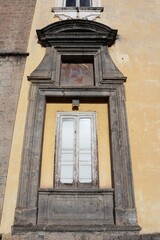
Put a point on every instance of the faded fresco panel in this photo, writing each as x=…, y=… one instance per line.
x=77, y=74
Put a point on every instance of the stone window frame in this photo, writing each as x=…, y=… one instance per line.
x=26, y=211
x=119, y=213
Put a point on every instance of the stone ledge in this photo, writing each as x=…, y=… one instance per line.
x=108, y=229
x=80, y=236
x=14, y=54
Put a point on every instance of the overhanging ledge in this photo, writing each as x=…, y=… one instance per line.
x=75, y=32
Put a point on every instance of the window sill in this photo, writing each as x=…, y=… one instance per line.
x=89, y=13
x=76, y=191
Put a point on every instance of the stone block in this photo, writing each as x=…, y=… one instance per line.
x=155, y=236
x=79, y=236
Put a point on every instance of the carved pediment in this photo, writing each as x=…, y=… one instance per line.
x=76, y=31
x=77, y=38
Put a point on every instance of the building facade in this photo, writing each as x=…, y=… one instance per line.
x=79, y=120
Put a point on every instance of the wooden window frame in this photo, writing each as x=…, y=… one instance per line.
x=94, y=149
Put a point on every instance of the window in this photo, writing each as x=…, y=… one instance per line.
x=76, y=152
x=78, y=3
x=81, y=9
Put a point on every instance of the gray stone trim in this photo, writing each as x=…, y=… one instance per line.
x=62, y=32
x=153, y=236
x=80, y=236
x=32, y=150
x=110, y=230
x=14, y=54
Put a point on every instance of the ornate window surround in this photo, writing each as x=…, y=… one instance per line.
x=115, y=207
x=90, y=13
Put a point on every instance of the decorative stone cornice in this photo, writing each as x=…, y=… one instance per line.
x=76, y=31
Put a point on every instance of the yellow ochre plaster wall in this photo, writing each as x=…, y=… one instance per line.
x=136, y=54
